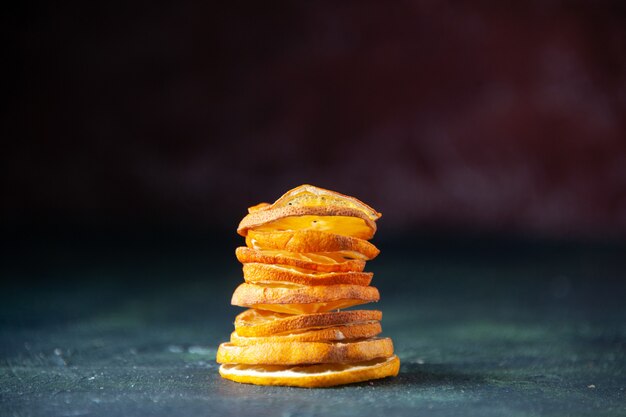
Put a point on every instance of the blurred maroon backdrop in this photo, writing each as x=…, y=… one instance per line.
x=443, y=115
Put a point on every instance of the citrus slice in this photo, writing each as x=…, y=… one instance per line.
x=300, y=353
x=312, y=376
x=302, y=299
x=264, y=273
x=323, y=262
x=303, y=241
x=344, y=333
x=311, y=196
x=341, y=220
x=342, y=225
x=253, y=323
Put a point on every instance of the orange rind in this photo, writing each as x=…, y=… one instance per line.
x=257, y=207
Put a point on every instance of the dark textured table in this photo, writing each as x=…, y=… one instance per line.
x=486, y=328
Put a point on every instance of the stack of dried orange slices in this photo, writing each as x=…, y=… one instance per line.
x=303, y=262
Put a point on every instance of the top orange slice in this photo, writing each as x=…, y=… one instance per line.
x=307, y=195
x=313, y=207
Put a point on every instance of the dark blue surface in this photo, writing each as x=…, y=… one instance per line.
x=483, y=328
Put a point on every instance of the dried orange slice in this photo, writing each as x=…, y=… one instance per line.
x=258, y=273
x=253, y=323
x=300, y=353
x=312, y=376
x=307, y=195
x=303, y=241
x=340, y=220
x=344, y=333
x=323, y=261
x=342, y=225
x=302, y=299
x=311, y=196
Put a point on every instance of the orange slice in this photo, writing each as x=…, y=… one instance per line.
x=300, y=353
x=302, y=299
x=265, y=273
x=311, y=196
x=342, y=225
x=340, y=220
x=344, y=333
x=312, y=376
x=303, y=241
x=322, y=262
x=252, y=322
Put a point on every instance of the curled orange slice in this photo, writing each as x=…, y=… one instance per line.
x=344, y=333
x=340, y=220
x=253, y=323
x=302, y=299
x=311, y=196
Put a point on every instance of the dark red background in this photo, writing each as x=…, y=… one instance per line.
x=461, y=116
